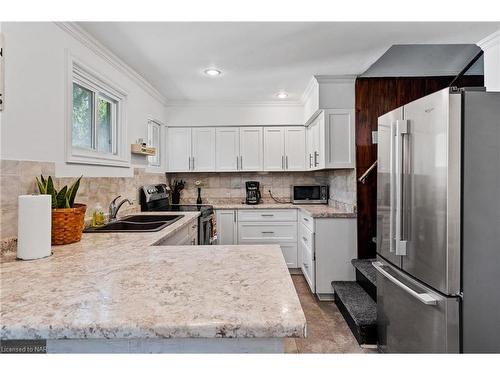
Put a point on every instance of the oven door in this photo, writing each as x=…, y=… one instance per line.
x=205, y=231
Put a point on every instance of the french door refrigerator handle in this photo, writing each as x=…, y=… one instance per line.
x=391, y=187
x=425, y=298
x=401, y=130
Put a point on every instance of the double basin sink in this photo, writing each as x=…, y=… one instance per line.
x=137, y=223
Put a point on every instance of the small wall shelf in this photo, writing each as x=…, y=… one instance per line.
x=139, y=149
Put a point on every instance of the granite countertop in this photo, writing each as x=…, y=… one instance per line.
x=116, y=285
x=313, y=210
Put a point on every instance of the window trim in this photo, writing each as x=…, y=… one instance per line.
x=159, y=152
x=83, y=75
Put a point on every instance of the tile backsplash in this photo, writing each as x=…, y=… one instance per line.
x=18, y=177
x=224, y=187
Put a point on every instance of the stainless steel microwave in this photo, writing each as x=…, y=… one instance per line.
x=310, y=194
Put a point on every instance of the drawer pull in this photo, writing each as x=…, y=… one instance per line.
x=267, y=232
x=305, y=239
x=264, y=215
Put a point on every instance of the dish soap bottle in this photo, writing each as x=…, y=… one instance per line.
x=98, y=219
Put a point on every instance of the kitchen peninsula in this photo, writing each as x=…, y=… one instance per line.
x=116, y=292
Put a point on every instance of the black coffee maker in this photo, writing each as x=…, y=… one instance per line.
x=253, y=192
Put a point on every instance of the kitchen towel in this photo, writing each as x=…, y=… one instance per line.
x=34, y=226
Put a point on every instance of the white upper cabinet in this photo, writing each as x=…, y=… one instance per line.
x=203, y=149
x=227, y=152
x=295, y=148
x=330, y=140
x=340, y=138
x=251, y=149
x=274, y=148
x=284, y=148
x=315, y=144
x=179, y=149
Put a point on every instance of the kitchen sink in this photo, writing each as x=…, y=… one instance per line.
x=137, y=223
x=150, y=218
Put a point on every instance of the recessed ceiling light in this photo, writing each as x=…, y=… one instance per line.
x=212, y=72
x=282, y=95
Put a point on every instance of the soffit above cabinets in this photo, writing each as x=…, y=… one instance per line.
x=259, y=59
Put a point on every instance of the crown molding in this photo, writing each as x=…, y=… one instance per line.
x=344, y=78
x=82, y=36
x=490, y=41
x=232, y=103
x=318, y=79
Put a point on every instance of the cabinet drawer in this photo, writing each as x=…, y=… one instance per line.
x=290, y=255
x=307, y=220
x=267, y=233
x=306, y=236
x=267, y=215
x=307, y=264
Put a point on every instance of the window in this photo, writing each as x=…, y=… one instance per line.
x=154, y=140
x=97, y=130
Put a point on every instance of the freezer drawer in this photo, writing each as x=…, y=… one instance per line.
x=411, y=317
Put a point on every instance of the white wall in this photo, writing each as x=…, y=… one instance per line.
x=491, y=48
x=208, y=114
x=33, y=121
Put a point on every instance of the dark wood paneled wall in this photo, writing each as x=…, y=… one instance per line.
x=374, y=97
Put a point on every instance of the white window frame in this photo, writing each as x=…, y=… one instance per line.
x=81, y=74
x=155, y=161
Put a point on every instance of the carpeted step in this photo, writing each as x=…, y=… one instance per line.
x=359, y=310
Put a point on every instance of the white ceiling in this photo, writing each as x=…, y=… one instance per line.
x=259, y=59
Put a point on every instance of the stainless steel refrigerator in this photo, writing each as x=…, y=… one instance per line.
x=438, y=224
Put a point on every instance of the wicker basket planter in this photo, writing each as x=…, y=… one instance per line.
x=67, y=224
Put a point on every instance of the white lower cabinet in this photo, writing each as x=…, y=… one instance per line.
x=227, y=230
x=321, y=247
x=326, y=247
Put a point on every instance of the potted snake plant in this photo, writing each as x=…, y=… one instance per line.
x=68, y=217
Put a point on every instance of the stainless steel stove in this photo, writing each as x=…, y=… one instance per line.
x=154, y=198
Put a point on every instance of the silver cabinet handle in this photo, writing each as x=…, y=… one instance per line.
x=304, y=238
x=316, y=162
x=237, y=163
x=286, y=159
x=193, y=163
x=282, y=162
x=241, y=162
x=425, y=298
x=266, y=215
x=310, y=161
x=306, y=219
x=267, y=232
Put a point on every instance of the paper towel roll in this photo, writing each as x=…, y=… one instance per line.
x=34, y=226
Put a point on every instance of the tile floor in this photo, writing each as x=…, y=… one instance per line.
x=327, y=331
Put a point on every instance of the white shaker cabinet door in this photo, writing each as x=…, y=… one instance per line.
x=179, y=149
x=227, y=141
x=295, y=148
x=341, y=143
x=226, y=227
x=251, y=149
x=203, y=150
x=274, y=149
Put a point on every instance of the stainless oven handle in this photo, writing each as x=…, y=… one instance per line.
x=425, y=298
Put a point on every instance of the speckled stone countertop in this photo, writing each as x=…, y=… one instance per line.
x=116, y=285
x=314, y=210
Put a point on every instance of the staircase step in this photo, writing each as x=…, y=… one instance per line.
x=365, y=267
x=358, y=309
